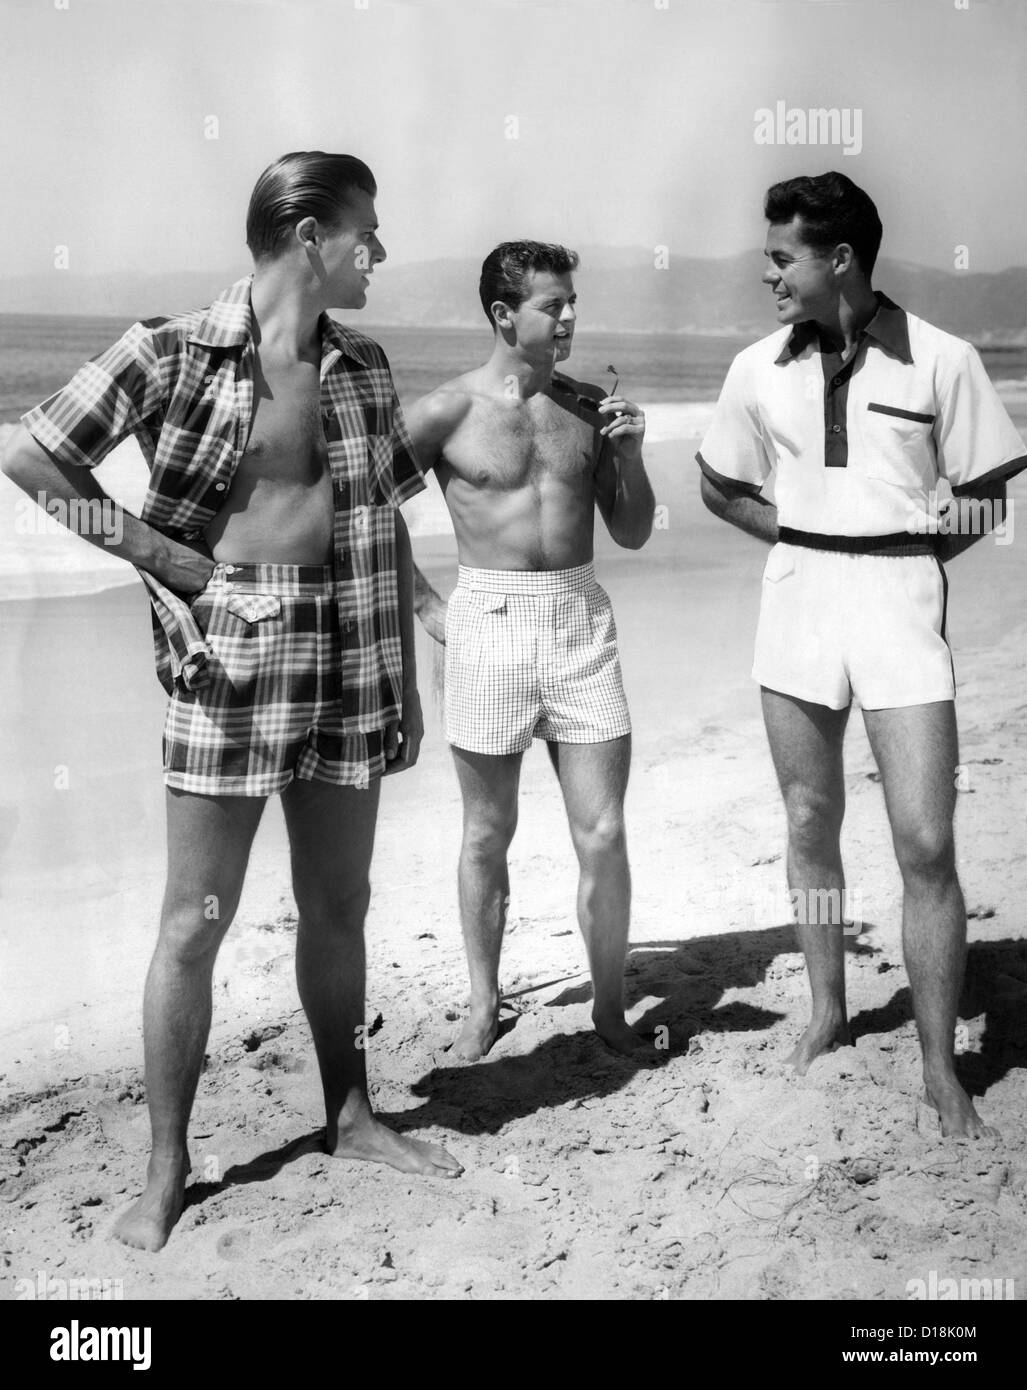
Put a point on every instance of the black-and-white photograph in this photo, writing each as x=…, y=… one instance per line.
x=513, y=655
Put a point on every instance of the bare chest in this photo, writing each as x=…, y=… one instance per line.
x=522, y=445
x=286, y=440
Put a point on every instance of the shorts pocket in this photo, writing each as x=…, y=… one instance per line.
x=601, y=621
x=488, y=601
x=243, y=633
x=923, y=581
x=252, y=608
x=780, y=564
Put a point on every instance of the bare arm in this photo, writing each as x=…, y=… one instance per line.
x=972, y=515
x=430, y=421
x=43, y=477
x=405, y=585
x=429, y=606
x=624, y=494
x=403, y=741
x=740, y=508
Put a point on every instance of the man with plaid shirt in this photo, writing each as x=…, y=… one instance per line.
x=280, y=577
x=524, y=456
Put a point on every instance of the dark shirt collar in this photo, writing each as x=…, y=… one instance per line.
x=888, y=328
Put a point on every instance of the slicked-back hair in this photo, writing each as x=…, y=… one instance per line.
x=307, y=183
x=505, y=271
x=833, y=209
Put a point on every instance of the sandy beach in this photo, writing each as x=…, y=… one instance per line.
x=713, y=1176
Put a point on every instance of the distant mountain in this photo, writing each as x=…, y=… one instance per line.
x=620, y=290
x=118, y=295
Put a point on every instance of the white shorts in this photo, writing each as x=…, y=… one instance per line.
x=836, y=627
x=531, y=654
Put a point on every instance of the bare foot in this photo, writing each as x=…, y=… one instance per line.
x=821, y=1036
x=148, y=1222
x=476, y=1037
x=372, y=1141
x=618, y=1034
x=959, y=1119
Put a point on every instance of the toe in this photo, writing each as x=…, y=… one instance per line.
x=443, y=1159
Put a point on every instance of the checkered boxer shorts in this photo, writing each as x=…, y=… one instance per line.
x=531, y=654
x=273, y=705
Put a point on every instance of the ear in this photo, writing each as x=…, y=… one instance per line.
x=844, y=257
x=307, y=233
x=501, y=313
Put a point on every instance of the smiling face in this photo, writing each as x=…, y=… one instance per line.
x=544, y=320
x=350, y=252
x=804, y=280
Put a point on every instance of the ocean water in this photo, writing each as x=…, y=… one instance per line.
x=677, y=377
x=651, y=366
x=39, y=352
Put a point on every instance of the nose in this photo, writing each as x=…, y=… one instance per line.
x=771, y=274
x=377, y=250
x=568, y=316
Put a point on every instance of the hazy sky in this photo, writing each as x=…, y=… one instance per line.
x=635, y=120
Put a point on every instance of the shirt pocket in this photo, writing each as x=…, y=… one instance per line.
x=899, y=447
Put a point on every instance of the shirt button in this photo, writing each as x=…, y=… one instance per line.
x=219, y=487
x=836, y=429
x=837, y=381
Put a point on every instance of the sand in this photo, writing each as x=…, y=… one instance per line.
x=713, y=1176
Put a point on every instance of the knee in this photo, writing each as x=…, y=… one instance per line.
x=487, y=838
x=814, y=820
x=190, y=933
x=925, y=853
x=329, y=907
x=601, y=838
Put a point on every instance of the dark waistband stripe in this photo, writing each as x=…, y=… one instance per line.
x=296, y=580
x=299, y=574
x=898, y=543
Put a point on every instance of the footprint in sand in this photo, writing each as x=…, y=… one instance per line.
x=234, y=1245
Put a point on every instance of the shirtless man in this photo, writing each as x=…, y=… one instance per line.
x=280, y=575
x=523, y=456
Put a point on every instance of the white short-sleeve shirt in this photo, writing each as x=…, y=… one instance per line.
x=868, y=447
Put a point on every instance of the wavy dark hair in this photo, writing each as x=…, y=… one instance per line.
x=306, y=183
x=505, y=270
x=833, y=209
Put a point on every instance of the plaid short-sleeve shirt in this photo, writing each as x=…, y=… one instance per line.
x=183, y=387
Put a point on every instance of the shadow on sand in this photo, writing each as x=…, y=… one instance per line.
x=689, y=980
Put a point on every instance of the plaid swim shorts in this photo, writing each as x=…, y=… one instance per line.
x=531, y=654
x=272, y=708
